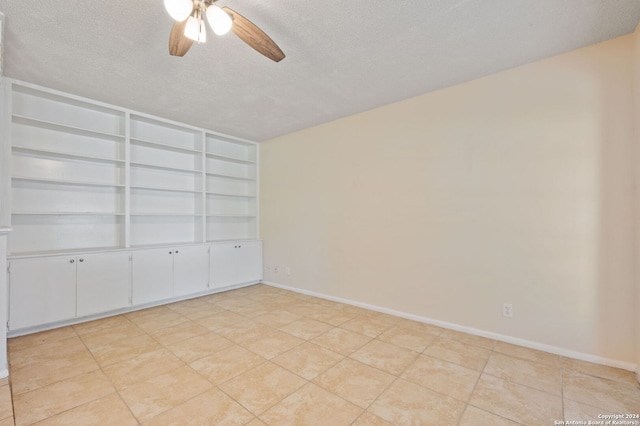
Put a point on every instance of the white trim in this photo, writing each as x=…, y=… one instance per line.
x=474, y=331
x=4, y=373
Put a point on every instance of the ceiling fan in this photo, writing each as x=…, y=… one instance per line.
x=189, y=27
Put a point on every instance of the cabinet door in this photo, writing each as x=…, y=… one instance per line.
x=103, y=282
x=152, y=277
x=249, y=261
x=41, y=291
x=223, y=264
x=190, y=270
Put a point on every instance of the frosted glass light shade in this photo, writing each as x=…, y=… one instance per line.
x=219, y=20
x=178, y=9
x=195, y=30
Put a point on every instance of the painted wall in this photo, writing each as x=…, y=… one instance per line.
x=516, y=188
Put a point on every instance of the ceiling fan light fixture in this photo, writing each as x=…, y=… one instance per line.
x=195, y=29
x=179, y=10
x=219, y=20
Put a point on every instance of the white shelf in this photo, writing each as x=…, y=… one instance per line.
x=68, y=182
x=67, y=155
x=160, y=167
x=65, y=213
x=220, y=175
x=165, y=214
x=161, y=145
x=224, y=194
x=49, y=125
x=227, y=158
x=164, y=188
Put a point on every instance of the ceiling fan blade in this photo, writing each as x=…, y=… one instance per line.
x=179, y=44
x=254, y=36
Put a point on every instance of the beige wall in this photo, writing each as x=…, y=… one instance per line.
x=516, y=188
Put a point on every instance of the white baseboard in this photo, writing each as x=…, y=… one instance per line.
x=476, y=332
x=4, y=373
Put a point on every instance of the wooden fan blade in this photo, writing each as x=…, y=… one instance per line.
x=254, y=36
x=179, y=44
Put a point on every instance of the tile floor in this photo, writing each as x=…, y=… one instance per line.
x=261, y=355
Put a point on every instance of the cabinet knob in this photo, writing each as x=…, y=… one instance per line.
x=72, y=260
x=170, y=252
x=81, y=260
x=176, y=251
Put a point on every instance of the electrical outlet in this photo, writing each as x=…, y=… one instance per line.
x=275, y=269
x=287, y=270
x=507, y=310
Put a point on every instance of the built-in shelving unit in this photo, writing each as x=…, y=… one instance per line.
x=87, y=175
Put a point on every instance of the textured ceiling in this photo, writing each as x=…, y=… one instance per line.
x=342, y=57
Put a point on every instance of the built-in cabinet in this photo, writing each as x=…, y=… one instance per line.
x=113, y=209
x=231, y=262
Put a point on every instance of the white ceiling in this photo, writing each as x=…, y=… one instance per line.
x=342, y=57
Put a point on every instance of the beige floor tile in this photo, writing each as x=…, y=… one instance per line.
x=253, y=310
x=277, y=319
x=161, y=393
x=304, y=308
x=9, y=421
x=385, y=356
x=476, y=417
x=107, y=411
x=405, y=403
x=516, y=402
x=368, y=419
x=468, y=339
x=232, y=301
x=331, y=316
x=255, y=422
x=105, y=336
x=469, y=356
x=262, y=387
x=528, y=354
x=442, y=376
x=407, y=338
x=210, y=408
x=160, y=320
x=42, y=365
x=308, y=360
x=342, y=341
x=30, y=340
x=226, y=364
x=198, y=347
x=61, y=396
x=529, y=373
x=141, y=368
x=577, y=411
x=369, y=326
x=178, y=332
x=243, y=331
x=311, y=405
x=354, y=381
x=306, y=328
x=272, y=344
x=124, y=349
x=6, y=406
x=613, y=396
x=195, y=312
x=419, y=327
x=100, y=324
x=220, y=319
x=4, y=381
x=597, y=370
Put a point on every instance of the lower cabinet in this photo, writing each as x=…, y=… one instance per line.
x=160, y=274
x=51, y=289
x=235, y=263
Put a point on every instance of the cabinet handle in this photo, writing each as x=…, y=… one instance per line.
x=72, y=260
